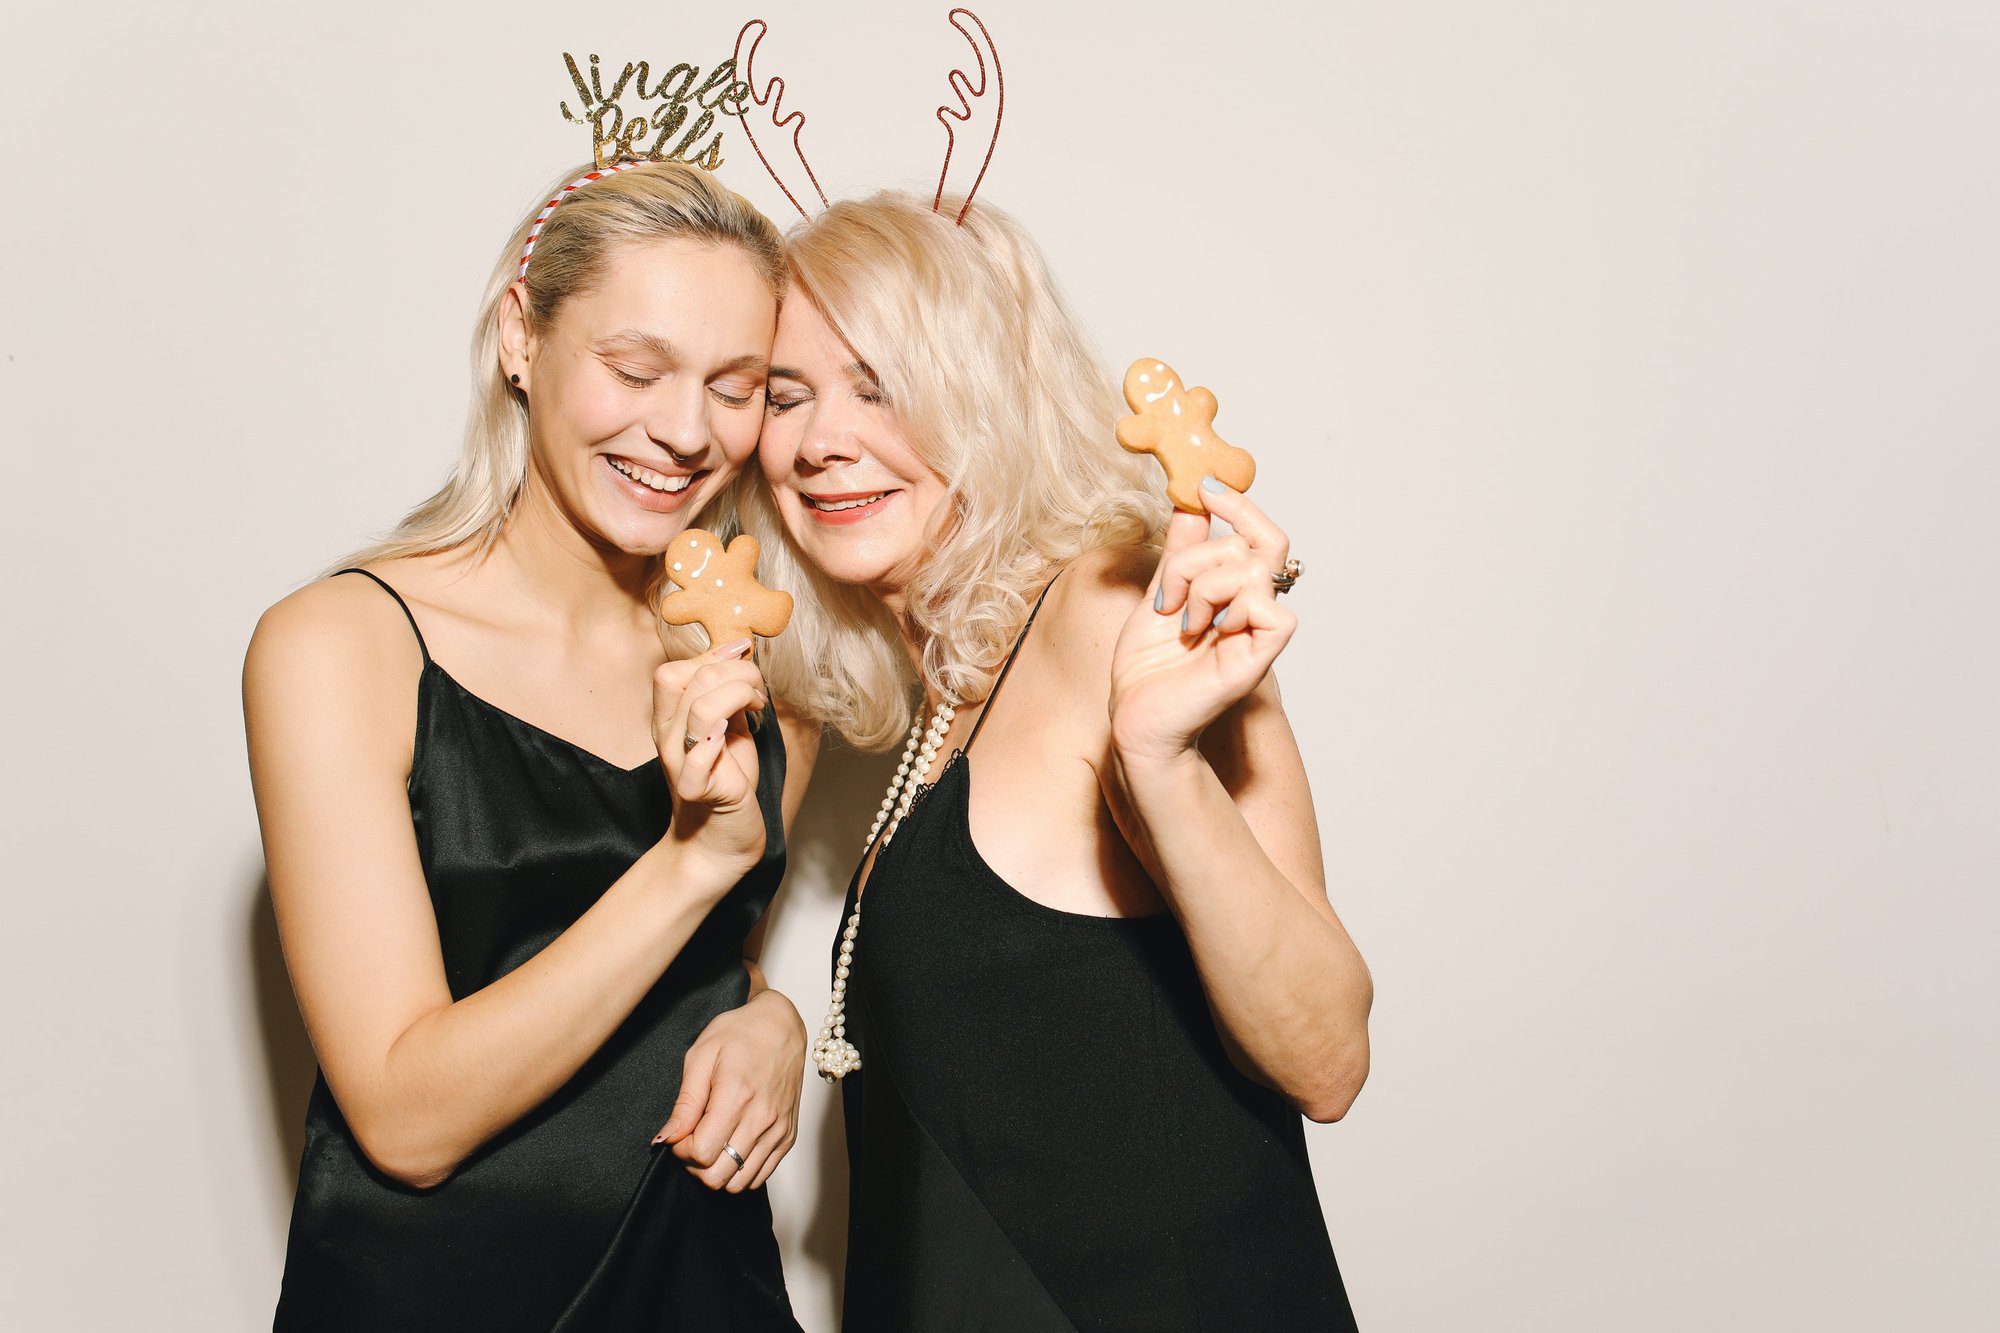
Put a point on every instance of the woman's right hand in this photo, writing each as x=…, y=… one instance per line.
x=708, y=700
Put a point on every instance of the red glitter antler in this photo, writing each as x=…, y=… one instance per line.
x=968, y=96
x=771, y=102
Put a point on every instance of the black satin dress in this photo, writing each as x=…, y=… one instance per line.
x=570, y=1220
x=1046, y=1134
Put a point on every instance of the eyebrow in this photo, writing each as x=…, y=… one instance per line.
x=638, y=340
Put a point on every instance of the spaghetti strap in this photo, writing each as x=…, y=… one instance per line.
x=1008, y=665
x=422, y=647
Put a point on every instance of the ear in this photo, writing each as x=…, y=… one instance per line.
x=517, y=342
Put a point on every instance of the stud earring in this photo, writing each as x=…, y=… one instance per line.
x=513, y=379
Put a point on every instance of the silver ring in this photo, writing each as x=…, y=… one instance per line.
x=689, y=742
x=1282, y=581
x=734, y=1155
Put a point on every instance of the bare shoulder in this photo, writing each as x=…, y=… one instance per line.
x=1099, y=588
x=336, y=649
x=1105, y=575
x=1066, y=659
x=329, y=623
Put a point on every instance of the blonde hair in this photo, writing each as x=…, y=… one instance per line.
x=996, y=388
x=656, y=202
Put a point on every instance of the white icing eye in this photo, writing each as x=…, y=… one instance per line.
x=1145, y=379
x=694, y=541
x=677, y=564
x=1159, y=365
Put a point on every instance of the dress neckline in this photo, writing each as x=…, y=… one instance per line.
x=648, y=764
x=959, y=767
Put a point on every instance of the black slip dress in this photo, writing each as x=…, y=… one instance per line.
x=570, y=1219
x=1045, y=1133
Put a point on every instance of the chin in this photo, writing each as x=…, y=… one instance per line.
x=860, y=569
x=642, y=534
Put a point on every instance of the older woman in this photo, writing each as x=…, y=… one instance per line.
x=1089, y=977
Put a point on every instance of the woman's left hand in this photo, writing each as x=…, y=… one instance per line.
x=740, y=1087
x=1206, y=633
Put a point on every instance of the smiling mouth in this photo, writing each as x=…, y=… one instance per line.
x=845, y=502
x=659, y=481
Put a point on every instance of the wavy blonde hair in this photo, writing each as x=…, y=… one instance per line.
x=997, y=389
x=660, y=201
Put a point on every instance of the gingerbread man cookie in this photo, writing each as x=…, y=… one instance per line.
x=1177, y=426
x=719, y=589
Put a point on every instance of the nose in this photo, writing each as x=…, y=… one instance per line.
x=830, y=440
x=679, y=420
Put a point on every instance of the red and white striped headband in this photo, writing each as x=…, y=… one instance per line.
x=541, y=218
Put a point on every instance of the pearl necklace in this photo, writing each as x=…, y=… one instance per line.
x=833, y=1052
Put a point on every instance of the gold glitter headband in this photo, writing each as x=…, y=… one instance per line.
x=618, y=142
x=682, y=90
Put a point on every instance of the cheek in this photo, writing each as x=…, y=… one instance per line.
x=777, y=449
x=589, y=412
x=927, y=495
x=736, y=432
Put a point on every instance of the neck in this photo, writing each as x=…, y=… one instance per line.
x=553, y=567
x=897, y=604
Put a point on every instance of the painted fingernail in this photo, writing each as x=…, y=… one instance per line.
x=1160, y=599
x=1211, y=484
x=1184, y=618
x=659, y=1138
x=735, y=648
x=1220, y=616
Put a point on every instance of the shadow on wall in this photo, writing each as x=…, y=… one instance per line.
x=289, y=1066
x=824, y=847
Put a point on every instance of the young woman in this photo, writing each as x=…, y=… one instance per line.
x=1091, y=977
x=518, y=849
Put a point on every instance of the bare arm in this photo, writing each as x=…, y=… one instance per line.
x=423, y=1079
x=1229, y=835
x=1204, y=777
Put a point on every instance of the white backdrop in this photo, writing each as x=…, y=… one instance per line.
x=1623, y=372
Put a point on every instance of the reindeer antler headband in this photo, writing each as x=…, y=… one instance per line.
x=731, y=89
x=793, y=173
